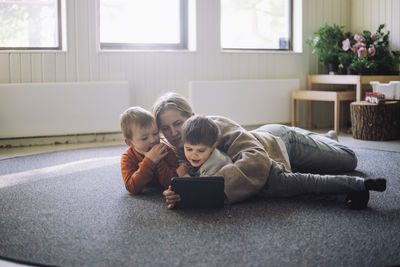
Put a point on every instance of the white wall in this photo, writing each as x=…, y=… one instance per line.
x=153, y=73
x=369, y=14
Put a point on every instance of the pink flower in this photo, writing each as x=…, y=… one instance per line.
x=373, y=37
x=371, y=51
x=357, y=46
x=362, y=52
x=359, y=38
x=346, y=44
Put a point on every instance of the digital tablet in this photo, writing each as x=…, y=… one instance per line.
x=199, y=192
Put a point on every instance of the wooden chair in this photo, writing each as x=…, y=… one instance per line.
x=312, y=95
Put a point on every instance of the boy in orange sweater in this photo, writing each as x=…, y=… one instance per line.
x=146, y=161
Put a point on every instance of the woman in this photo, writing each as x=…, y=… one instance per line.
x=263, y=158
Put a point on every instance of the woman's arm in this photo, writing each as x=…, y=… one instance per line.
x=166, y=168
x=251, y=163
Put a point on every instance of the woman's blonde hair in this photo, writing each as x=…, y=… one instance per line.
x=171, y=100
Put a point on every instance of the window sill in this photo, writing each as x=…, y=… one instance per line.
x=105, y=51
x=21, y=51
x=243, y=51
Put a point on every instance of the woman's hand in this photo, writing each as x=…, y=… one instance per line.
x=171, y=197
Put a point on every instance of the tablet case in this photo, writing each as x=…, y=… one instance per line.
x=199, y=192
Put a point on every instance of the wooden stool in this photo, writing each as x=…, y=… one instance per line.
x=334, y=96
x=377, y=122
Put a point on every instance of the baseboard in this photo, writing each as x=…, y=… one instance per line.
x=61, y=140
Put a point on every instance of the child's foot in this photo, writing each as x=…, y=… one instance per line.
x=378, y=184
x=357, y=200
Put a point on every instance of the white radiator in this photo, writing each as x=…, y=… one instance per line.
x=49, y=109
x=248, y=102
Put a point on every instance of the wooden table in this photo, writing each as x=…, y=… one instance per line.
x=357, y=80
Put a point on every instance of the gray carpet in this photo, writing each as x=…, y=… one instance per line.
x=73, y=210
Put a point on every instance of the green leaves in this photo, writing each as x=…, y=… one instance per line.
x=366, y=53
x=327, y=43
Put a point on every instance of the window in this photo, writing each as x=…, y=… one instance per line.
x=30, y=24
x=139, y=24
x=256, y=24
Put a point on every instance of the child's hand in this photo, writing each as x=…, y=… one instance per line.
x=157, y=152
x=182, y=170
x=171, y=197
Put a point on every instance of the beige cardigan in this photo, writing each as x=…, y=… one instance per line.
x=251, y=153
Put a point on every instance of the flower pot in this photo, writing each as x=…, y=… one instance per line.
x=350, y=71
x=332, y=68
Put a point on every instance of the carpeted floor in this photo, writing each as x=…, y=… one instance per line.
x=70, y=208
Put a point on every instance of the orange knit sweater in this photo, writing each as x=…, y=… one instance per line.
x=137, y=171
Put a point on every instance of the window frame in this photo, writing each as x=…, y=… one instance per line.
x=290, y=41
x=59, y=33
x=182, y=45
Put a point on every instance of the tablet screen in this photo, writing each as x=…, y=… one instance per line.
x=199, y=192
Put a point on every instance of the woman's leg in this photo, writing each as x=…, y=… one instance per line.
x=281, y=183
x=352, y=190
x=312, y=152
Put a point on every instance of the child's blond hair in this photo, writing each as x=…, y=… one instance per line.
x=135, y=116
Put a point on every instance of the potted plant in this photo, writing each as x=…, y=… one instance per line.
x=347, y=55
x=369, y=53
x=327, y=45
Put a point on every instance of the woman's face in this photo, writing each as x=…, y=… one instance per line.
x=171, y=121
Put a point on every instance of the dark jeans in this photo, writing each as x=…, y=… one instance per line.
x=310, y=153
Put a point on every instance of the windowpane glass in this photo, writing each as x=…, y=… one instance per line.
x=255, y=24
x=29, y=24
x=138, y=21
